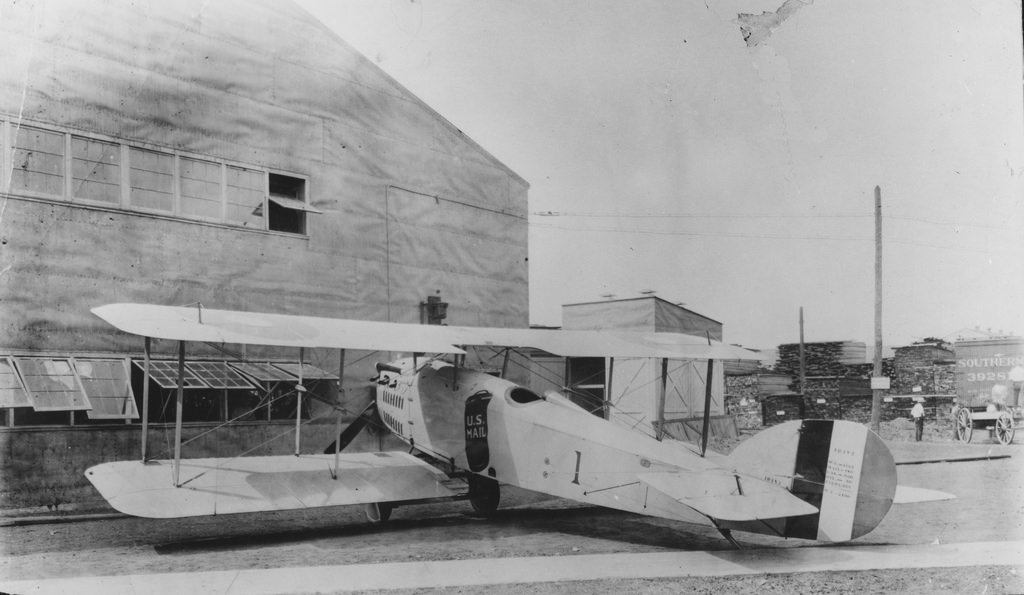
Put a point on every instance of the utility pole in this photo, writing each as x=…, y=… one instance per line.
x=876, y=390
x=803, y=364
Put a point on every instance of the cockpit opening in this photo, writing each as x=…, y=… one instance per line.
x=523, y=395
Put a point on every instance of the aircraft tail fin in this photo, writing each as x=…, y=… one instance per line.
x=839, y=467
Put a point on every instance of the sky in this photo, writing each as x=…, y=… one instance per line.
x=729, y=162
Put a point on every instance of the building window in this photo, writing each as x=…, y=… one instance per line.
x=152, y=180
x=12, y=391
x=95, y=170
x=52, y=384
x=101, y=390
x=165, y=374
x=201, y=189
x=156, y=181
x=287, y=204
x=246, y=194
x=235, y=391
x=586, y=382
x=38, y=162
x=109, y=388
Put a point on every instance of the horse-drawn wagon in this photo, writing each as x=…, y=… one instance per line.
x=1000, y=421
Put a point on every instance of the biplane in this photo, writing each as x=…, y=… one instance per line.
x=814, y=479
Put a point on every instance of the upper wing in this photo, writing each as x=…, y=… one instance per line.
x=224, y=326
x=251, y=328
x=256, y=484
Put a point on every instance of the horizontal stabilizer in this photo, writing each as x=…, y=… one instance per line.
x=724, y=496
x=256, y=484
x=912, y=495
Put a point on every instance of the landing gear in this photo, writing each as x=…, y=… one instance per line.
x=484, y=495
x=727, y=533
x=379, y=512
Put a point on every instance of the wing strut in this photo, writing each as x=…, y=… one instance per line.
x=608, y=389
x=661, y=399
x=299, y=390
x=341, y=395
x=707, y=408
x=177, y=414
x=145, y=398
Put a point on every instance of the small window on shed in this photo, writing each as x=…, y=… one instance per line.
x=288, y=204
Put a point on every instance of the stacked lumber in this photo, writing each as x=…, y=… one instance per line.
x=829, y=358
x=771, y=384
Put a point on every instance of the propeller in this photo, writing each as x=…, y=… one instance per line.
x=349, y=434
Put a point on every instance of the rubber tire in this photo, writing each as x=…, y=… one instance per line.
x=484, y=495
x=383, y=512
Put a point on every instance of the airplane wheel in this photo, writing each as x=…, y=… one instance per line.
x=378, y=512
x=484, y=495
x=964, y=425
x=1004, y=428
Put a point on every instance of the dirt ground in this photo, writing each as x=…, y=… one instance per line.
x=989, y=507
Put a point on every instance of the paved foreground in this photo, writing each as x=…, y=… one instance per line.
x=503, y=571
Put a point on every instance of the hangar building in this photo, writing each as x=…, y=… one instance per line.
x=236, y=154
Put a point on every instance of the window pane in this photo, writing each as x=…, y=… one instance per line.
x=263, y=372
x=12, y=393
x=152, y=180
x=309, y=372
x=165, y=374
x=51, y=384
x=246, y=191
x=200, y=189
x=95, y=170
x=107, y=386
x=38, y=161
x=219, y=375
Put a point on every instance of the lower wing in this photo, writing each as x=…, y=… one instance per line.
x=256, y=484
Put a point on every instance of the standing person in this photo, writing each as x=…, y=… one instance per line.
x=917, y=412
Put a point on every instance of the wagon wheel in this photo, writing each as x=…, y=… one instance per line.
x=964, y=425
x=1004, y=428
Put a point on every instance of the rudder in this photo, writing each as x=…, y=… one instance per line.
x=840, y=467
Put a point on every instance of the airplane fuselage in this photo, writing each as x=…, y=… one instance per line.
x=497, y=429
